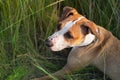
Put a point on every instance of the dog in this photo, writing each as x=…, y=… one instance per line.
x=91, y=44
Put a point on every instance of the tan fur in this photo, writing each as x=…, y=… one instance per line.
x=104, y=53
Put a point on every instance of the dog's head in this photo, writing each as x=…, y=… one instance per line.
x=72, y=30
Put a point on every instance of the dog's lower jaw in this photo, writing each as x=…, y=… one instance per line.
x=58, y=48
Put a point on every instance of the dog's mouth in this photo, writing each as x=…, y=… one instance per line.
x=58, y=48
x=55, y=47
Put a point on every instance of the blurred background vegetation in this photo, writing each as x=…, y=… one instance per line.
x=25, y=24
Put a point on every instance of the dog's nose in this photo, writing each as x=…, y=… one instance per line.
x=48, y=43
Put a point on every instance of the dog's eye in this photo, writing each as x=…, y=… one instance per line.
x=58, y=27
x=68, y=35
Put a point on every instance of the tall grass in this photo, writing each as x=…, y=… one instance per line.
x=25, y=24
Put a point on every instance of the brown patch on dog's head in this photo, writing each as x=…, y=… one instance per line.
x=74, y=36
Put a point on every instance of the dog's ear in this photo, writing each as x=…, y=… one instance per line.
x=88, y=27
x=68, y=11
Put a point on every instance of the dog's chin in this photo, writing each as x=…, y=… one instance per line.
x=56, y=49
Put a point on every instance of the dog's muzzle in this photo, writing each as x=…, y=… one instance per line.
x=48, y=43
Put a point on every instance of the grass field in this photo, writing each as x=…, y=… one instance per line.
x=25, y=24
